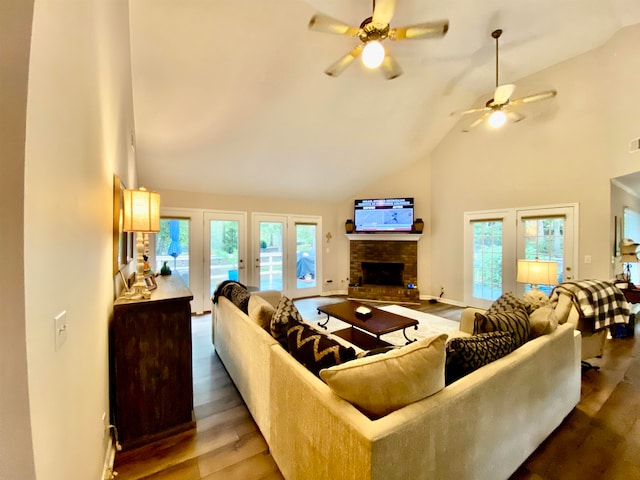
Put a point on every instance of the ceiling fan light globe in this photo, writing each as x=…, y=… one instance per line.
x=497, y=119
x=373, y=54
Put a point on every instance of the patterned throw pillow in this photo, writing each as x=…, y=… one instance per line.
x=515, y=321
x=467, y=354
x=315, y=350
x=238, y=295
x=506, y=303
x=285, y=311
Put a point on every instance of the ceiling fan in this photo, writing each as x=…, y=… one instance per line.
x=498, y=109
x=371, y=32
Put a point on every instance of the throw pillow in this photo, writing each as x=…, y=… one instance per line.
x=260, y=311
x=285, y=311
x=238, y=295
x=379, y=384
x=535, y=299
x=543, y=321
x=505, y=303
x=315, y=350
x=516, y=321
x=465, y=355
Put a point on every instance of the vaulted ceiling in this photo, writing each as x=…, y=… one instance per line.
x=230, y=96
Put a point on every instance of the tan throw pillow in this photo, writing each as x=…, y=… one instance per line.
x=542, y=321
x=380, y=384
x=260, y=311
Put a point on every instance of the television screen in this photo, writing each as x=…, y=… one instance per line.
x=383, y=215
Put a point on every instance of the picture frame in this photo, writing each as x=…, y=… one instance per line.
x=617, y=235
x=150, y=281
x=123, y=246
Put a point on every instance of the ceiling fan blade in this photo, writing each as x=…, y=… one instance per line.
x=383, y=12
x=338, y=67
x=514, y=117
x=421, y=30
x=536, y=97
x=503, y=93
x=477, y=122
x=390, y=67
x=325, y=24
x=472, y=110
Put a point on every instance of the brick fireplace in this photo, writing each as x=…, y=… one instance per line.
x=380, y=270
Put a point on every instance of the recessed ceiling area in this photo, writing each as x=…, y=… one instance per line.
x=231, y=98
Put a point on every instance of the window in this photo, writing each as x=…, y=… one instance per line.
x=487, y=259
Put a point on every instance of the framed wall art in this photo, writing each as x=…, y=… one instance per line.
x=122, y=241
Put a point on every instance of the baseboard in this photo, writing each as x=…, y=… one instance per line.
x=455, y=303
x=109, y=460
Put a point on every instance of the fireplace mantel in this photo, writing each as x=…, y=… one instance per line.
x=403, y=237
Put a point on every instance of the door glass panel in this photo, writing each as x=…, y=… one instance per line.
x=172, y=246
x=487, y=259
x=223, y=252
x=544, y=239
x=271, y=255
x=306, y=275
x=631, y=226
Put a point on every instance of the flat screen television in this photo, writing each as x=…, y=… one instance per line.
x=383, y=215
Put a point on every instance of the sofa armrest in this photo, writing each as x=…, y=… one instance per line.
x=467, y=319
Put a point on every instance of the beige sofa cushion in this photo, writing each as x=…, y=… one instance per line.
x=380, y=384
x=543, y=321
x=260, y=311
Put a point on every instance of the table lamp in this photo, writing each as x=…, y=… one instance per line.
x=537, y=272
x=141, y=214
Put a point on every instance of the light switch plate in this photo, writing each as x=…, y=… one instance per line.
x=61, y=326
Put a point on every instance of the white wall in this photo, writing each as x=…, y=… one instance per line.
x=16, y=455
x=565, y=151
x=79, y=119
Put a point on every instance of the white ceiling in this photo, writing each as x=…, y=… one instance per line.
x=230, y=96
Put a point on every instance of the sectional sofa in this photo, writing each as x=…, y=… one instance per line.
x=482, y=426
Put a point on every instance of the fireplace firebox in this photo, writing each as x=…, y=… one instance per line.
x=382, y=273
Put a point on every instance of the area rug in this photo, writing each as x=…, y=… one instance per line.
x=429, y=325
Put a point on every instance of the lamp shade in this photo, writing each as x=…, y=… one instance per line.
x=629, y=258
x=141, y=211
x=537, y=272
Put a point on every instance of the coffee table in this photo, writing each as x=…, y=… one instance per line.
x=365, y=332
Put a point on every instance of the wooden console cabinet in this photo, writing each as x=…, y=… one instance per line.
x=151, y=371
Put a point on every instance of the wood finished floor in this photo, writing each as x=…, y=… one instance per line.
x=599, y=440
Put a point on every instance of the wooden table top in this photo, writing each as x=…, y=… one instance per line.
x=379, y=323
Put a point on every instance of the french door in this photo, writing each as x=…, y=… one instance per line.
x=225, y=248
x=494, y=240
x=286, y=256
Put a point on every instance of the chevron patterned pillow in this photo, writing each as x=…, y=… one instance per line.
x=506, y=303
x=315, y=350
x=285, y=311
x=466, y=354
